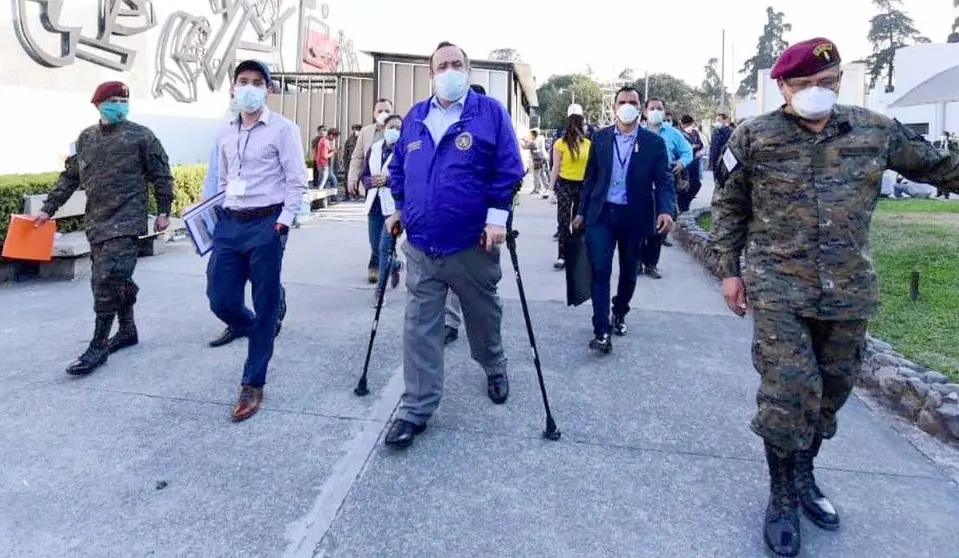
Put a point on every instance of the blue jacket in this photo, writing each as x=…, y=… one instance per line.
x=445, y=192
x=717, y=143
x=649, y=181
x=677, y=146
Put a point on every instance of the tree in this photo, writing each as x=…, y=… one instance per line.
x=890, y=30
x=713, y=90
x=679, y=96
x=504, y=55
x=954, y=36
x=557, y=94
x=771, y=44
x=629, y=75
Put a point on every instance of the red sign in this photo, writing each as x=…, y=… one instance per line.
x=321, y=53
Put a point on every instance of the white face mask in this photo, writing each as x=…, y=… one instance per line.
x=627, y=114
x=814, y=103
x=656, y=117
x=381, y=118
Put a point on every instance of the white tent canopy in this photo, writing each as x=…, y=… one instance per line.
x=940, y=88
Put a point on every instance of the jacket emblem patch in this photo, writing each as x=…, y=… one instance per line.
x=464, y=141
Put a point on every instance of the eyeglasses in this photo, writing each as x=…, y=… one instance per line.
x=825, y=83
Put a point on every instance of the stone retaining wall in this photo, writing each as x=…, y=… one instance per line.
x=920, y=394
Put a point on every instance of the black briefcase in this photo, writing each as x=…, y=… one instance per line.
x=579, y=275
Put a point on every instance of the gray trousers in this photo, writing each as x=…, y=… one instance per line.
x=473, y=275
x=454, y=312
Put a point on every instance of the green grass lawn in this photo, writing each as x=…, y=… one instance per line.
x=705, y=221
x=921, y=235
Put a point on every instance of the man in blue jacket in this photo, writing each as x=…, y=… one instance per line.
x=628, y=181
x=680, y=154
x=452, y=176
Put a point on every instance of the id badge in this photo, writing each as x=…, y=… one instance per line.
x=236, y=188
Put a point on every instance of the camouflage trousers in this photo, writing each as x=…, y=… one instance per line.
x=808, y=368
x=113, y=262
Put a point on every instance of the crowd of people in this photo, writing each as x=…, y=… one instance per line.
x=794, y=191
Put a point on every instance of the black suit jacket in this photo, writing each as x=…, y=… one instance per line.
x=650, y=184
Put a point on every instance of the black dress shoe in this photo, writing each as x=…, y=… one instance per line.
x=452, y=334
x=602, y=343
x=498, y=388
x=228, y=336
x=619, y=325
x=402, y=432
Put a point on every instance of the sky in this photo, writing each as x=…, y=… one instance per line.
x=559, y=38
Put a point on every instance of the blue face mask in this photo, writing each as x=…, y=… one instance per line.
x=249, y=98
x=451, y=85
x=114, y=112
x=391, y=136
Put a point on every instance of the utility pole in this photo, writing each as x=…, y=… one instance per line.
x=646, y=84
x=722, y=70
x=732, y=77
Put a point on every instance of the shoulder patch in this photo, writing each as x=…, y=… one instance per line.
x=730, y=160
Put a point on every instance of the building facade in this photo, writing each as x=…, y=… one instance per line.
x=177, y=56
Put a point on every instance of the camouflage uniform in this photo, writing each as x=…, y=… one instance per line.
x=115, y=164
x=800, y=205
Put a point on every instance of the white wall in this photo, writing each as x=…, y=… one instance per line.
x=48, y=107
x=914, y=65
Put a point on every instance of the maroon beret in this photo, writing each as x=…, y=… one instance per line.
x=110, y=89
x=806, y=58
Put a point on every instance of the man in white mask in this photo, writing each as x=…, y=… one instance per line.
x=801, y=184
x=452, y=177
x=628, y=181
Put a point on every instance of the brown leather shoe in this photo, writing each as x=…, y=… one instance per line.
x=248, y=403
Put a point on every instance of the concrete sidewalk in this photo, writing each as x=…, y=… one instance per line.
x=656, y=457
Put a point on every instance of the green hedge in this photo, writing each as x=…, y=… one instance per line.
x=187, y=190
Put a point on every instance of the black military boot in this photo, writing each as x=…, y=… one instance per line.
x=98, y=350
x=814, y=503
x=781, y=531
x=127, y=333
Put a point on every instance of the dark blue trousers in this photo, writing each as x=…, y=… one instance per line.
x=614, y=230
x=248, y=250
x=375, y=222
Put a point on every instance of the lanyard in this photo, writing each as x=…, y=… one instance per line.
x=623, y=161
x=241, y=154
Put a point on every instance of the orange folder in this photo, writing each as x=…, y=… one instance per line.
x=26, y=242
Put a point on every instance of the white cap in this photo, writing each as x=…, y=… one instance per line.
x=574, y=109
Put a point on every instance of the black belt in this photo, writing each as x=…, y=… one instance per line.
x=253, y=213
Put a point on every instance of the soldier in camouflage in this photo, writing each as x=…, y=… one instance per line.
x=114, y=162
x=800, y=187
